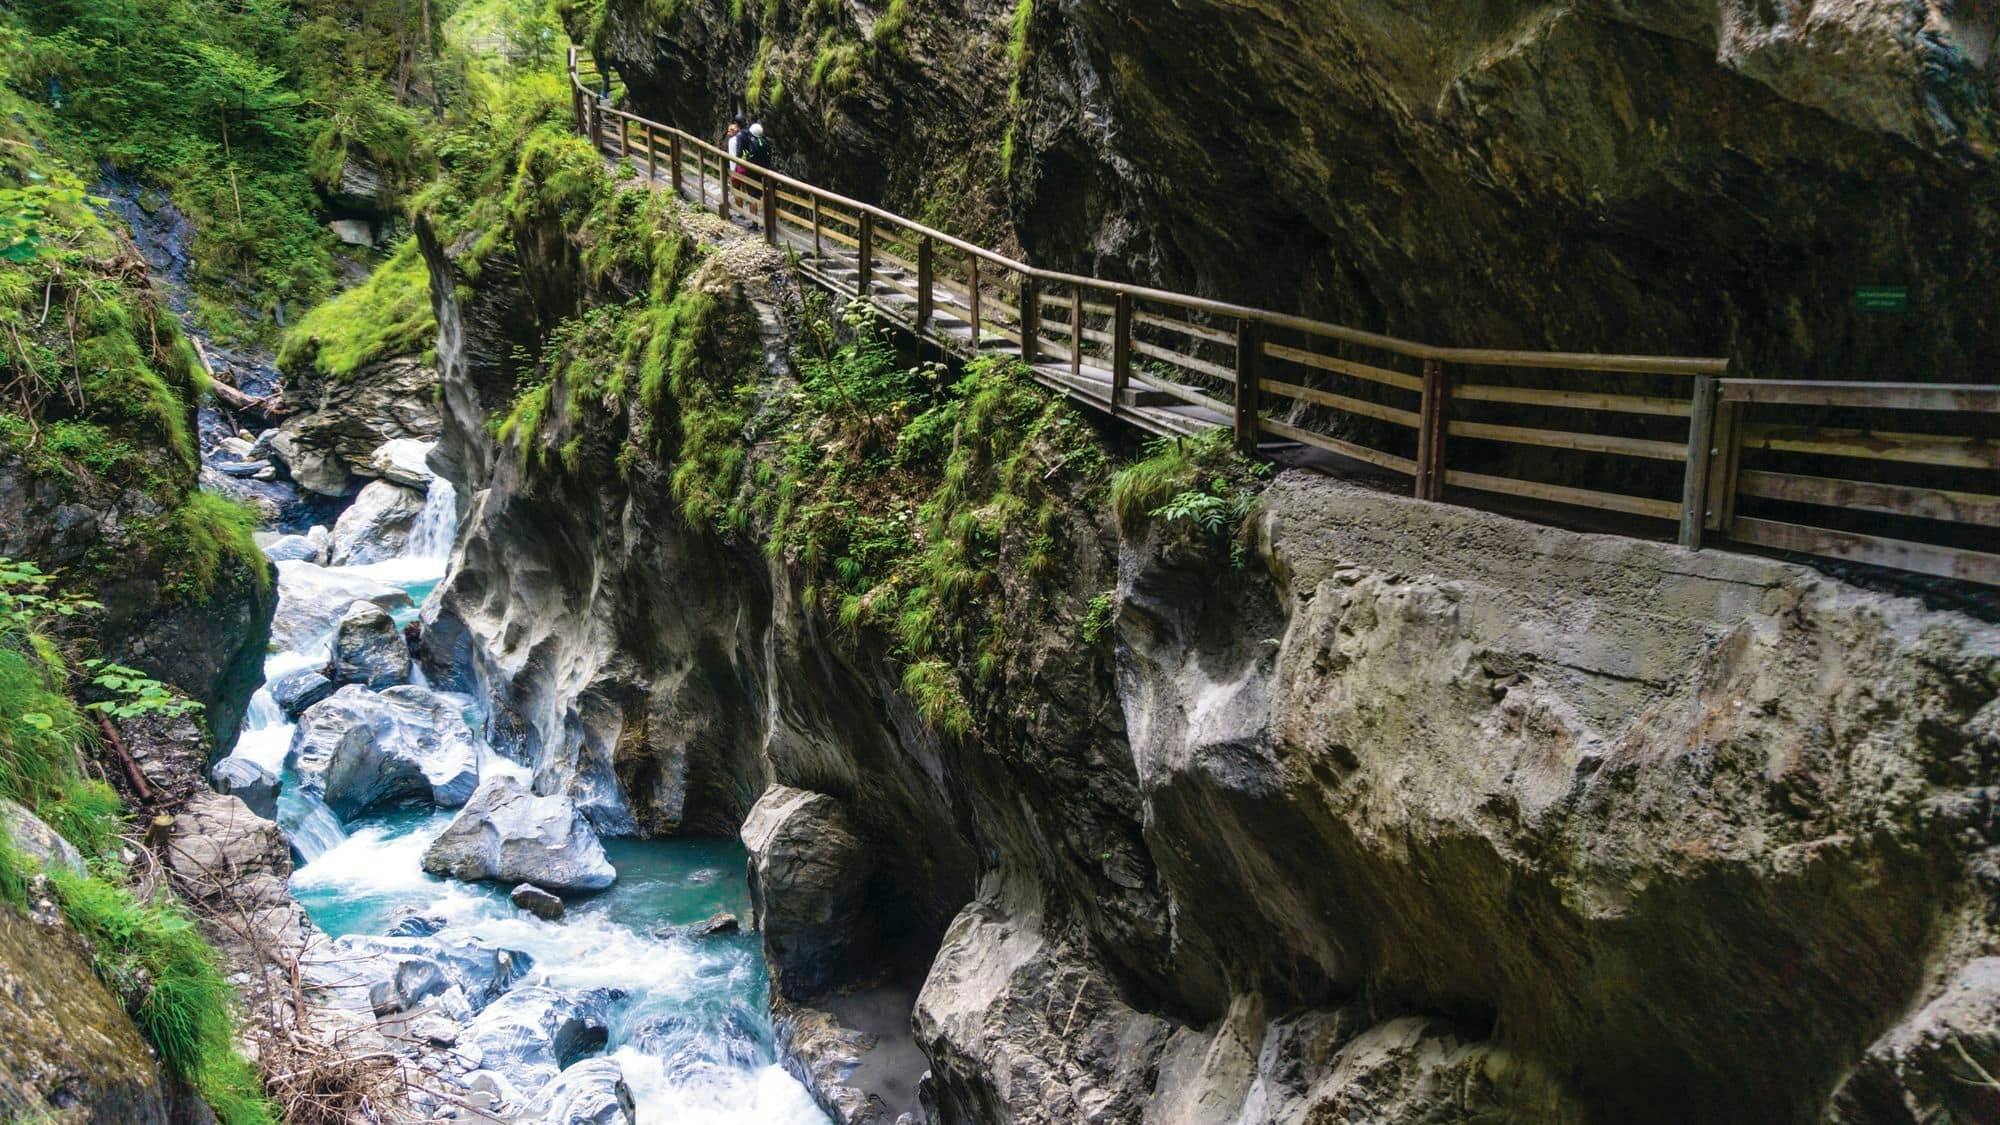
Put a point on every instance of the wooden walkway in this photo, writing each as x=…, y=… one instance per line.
x=1791, y=465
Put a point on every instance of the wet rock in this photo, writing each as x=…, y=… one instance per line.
x=403, y=461
x=377, y=525
x=592, y=1092
x=360, y=750
x=310, y=547
x=808, y=876
x=719, y=923
x=508, y=834
x=256, y=786
x=536, y=901
x=411, y=922
x=297, y=690
x=533, y=1032
x=460, y=975
x=309, y=596
x=239, y=468
x=36, y=840
x=368, y=648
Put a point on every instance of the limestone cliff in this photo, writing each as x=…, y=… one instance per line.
x=1708, y=177
x=1403, y=813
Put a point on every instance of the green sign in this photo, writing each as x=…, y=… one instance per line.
x=1882, y=299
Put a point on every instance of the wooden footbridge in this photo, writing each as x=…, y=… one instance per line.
x=1791, y=465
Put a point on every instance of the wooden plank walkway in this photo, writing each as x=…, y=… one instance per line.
x=1668, y=435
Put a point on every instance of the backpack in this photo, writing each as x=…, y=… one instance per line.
x=757, y=150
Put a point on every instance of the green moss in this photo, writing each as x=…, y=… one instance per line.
x=206, y=538
x=387, y=315
x=889, y=29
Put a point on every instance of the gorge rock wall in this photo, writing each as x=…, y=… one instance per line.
x=1711, y=177
x=1409, y=813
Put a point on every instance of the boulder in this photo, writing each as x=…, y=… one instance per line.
x=359, y=750
x=509, y=835
x=809, y=872
x=311, y=597
x=313, y=467
x=368, y=648
x=377, y=525
x=244, y=779
x=403, y=461
x=36, y=840
x=462, y=975
x=721, y=922
x=412, y=922
x=592, y=1092
x=297, y=690
x=310, y=547
x=536, y=901
x=353, y=232
x=530, y=1034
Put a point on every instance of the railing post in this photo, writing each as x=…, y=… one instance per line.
x=972, y=261
x=1249, y=363
x=926, y=281
x=1031, y=320
x=1700, y=456
x=1121, y=348
x=1076, y=333
x=770, y=209
x=652, y=148
x=724, y=175
x=864, y=282
x=674, y=160
x=597, y=126
x=1431, y=433
x=624, y=137
x=1727, y=450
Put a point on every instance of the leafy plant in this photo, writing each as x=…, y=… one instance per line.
x=1098, y=619
x=135, y=693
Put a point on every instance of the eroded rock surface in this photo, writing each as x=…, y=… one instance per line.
x=360, y=749
x=509, y=835
x=809, y=873
x=368, y=648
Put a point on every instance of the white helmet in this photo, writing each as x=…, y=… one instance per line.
x=757, y=130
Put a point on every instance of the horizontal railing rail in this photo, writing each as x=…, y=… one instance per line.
x=1657, y=437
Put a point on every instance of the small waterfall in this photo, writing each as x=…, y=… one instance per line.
x=312, y=826
x=437, y=525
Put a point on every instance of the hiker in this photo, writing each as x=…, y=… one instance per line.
x=756, y=149
x=737, y=135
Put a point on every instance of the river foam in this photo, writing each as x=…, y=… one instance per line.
x=691, y=1030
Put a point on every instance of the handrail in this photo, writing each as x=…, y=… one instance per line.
x=963, y=306
x=1581, y=361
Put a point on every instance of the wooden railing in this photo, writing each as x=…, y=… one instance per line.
x=1659, y=437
